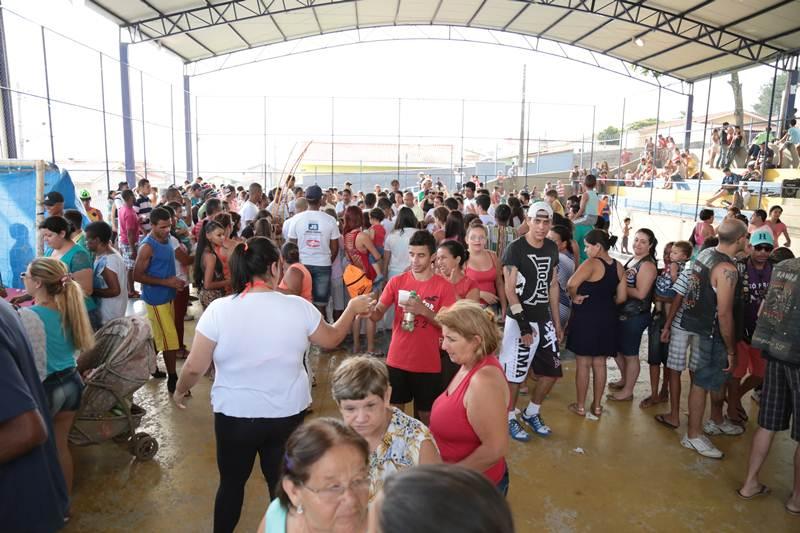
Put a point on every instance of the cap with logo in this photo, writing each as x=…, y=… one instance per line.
x=762, y=236
x=85, y=194
x=52, y=198
x=537, y=207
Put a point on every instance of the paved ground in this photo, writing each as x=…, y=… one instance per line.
x=632, y=474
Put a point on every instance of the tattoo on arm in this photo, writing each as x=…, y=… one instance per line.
x=731, y=276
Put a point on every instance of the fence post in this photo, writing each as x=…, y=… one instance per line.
x=655, y=151
x=769, y=129
x=8, y=107
x=127, y=127
x=703, y=149
x=49, y=104
x=105, y=130
x=144, y=126
x=619, y=165
x=187, y=127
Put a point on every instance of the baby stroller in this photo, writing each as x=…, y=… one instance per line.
x=121, y=362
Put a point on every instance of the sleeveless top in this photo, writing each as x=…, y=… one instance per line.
x=451, y=428
x=698, y=234
x=276, y=517
x=305, y=290
x=781, y=307
x=162, y=265
x=380, y=235
x=485, y=279
x=222, y=258
x=77, y=258
x=632, y=274
x=463, y=286
x=700, y=302
x=592, y=203
x=357, y=257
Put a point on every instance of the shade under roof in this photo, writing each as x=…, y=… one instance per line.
x=685, y=39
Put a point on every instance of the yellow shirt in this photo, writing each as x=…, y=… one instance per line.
x=557, y=207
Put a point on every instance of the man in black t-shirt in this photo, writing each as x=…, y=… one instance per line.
x=532, y=326
x=33, y=495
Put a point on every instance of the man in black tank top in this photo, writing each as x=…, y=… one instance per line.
x=708, y=312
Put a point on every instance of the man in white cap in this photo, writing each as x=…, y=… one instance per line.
x=532, y=326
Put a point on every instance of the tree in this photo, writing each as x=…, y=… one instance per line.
x=610, y=135
x=639, y=124
x=738, y=108
x=765, y=95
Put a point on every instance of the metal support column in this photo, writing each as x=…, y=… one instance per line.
x=619, y=165
x=333, y=136
x=521, y=154
x=197, y=133
x=187, y=127
x=769, y=129
x=789, y=96
x=105, y=128
x=265, y=142
x=703, y=150
x=591, y=154
x=172, y=127
x=144, y=124
x=49, y=104
x=5, y=96
x=399, y=100
x=461, y=163
x=687, y=136
x=655, y=151
x=527, y=147
x=127, y=127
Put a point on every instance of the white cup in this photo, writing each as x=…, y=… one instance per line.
x=403, y=296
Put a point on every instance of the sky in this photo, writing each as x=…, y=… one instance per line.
x=369, y=86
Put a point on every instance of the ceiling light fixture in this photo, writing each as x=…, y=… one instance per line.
x=638, y=42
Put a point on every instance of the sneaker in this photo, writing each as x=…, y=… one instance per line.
x=703, y=446
x=725, y=428
x=158, y=374
x=517, y=432
x=537, y=424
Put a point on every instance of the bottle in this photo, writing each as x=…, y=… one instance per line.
x=408, y=316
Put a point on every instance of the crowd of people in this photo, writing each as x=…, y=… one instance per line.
x=477, y=290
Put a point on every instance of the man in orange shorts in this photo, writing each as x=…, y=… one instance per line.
x=755, y=273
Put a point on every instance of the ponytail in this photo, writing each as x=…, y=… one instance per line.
x=202, y=244
x=69, y=299
x=252, y=259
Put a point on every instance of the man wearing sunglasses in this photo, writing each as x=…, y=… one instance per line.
x=755, y=273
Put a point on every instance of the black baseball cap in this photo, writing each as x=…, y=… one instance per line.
x=52, y=198
x=314, y=193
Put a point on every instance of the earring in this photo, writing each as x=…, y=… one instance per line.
x=300, y=509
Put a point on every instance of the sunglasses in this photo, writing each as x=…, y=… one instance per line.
x=762, y=248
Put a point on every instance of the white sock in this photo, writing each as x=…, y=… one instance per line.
x=532, y=409
x=512, y=415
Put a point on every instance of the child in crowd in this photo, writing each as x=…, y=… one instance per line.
x=377, y=233
x=626, y=231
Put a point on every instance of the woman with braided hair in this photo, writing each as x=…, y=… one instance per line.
x=58, y=328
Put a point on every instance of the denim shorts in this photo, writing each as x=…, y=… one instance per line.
x=629, y=333
x=64, y=390
x=320, y=283
x=709, y=365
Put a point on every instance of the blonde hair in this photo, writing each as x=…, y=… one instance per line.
x=358, y=377
x=469, y=319
x=68, y=297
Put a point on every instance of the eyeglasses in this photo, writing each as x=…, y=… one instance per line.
x=22, y=275
x=334, y=493
x=762, y=248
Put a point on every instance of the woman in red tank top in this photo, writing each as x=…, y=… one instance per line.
x=468, y=419
x=483, y=267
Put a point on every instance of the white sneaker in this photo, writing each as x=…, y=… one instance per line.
x=703, y=446
x=725, y=428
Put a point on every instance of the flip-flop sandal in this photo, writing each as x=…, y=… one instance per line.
x=661, y=419
x=575, y=408
x=647, y=403
x=597, y=411
x=762, y=491
x=612, y=398
x=616, y=385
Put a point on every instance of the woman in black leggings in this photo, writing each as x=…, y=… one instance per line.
x=261, y=389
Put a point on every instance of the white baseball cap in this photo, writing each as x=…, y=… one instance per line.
x=538, y=207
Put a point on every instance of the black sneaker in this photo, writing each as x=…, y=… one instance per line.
x=158, y=374
x=172, y=382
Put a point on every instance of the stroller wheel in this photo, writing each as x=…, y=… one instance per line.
x=143, y=446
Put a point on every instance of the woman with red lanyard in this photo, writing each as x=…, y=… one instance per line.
x=467, y=418
x=483, y=267
x=358, y=247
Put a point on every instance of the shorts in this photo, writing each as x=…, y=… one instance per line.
x=780, y=398
x=748, y=359
x=320, y=284
x=64, y=390
x=629, y=334
x=162, y=322
x=679, y=341
x=338, y=294
x=420, y=387
x=542, y=355
x=127, y=255
x=657, y=351
x=709, y=365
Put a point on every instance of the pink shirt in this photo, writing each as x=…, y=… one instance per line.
x=128, y=221
x=777, y=230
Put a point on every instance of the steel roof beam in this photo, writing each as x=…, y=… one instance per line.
x=222, y=13
x=657, y=19
x=161, y=15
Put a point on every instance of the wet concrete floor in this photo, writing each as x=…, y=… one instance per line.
x=633, y=474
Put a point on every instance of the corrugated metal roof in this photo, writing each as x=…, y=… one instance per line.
x=686, y=39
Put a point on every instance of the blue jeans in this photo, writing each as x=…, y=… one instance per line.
x=320, y=283
x=64, y=390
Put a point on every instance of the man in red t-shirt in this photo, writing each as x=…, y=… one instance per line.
x=413, y=360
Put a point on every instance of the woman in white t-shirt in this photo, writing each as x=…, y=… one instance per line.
x=110, y=276
x=261, y=389
x=395, y=247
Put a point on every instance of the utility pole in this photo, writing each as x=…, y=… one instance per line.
x=522, y=155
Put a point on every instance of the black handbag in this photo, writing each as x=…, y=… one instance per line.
x=631, y=308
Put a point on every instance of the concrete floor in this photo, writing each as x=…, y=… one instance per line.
x=633, y=474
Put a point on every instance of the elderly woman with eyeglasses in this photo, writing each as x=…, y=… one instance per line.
x=325, y=481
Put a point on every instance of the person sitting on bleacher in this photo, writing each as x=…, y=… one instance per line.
x=730, y=181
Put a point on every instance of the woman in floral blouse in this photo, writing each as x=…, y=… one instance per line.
x=396, y=441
